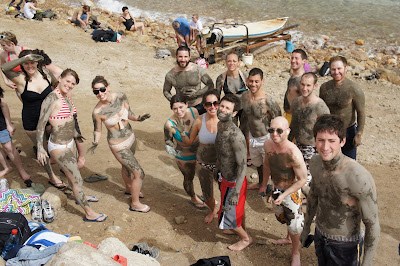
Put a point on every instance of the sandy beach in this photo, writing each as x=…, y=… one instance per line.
x=130, y=67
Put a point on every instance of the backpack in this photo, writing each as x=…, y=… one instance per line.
x=324, y=69
x=215, y=261
x=104, y=35
x=10, y=221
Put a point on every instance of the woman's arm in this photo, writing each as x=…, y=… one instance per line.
x=96, y=132
x=48, y=106
x=131, y=115
x=53, y=79
x=119, y=23
x=193, y=134
x=134, y=20
x=7, y=117
x=16, y=77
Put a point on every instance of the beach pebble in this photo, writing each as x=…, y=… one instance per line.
x=360, y=42
x=113, y=229
x=179, y=219
x=56, y=198
x=392, y=61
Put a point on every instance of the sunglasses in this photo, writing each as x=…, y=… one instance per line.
x=103, y=89
x=209, y=104
x=272, y=130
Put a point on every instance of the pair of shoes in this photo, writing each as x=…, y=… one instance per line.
x=146, y=209
x=141, y=196
x=97, y=220
x=144, y=249
x=95, y=178
x=60, y=186
x=42, y=211
x=3, y=184
x=201, y=206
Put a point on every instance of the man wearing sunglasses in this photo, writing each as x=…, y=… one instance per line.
x=186, y=77
x=230, y=145
x=305, y=111
x=259, y=109
x=285, y=165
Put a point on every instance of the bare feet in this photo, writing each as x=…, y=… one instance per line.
x=81, y=162
x=238, y=246
x=253, y=186
x=6, y=171
x=296, y=259
x=283, y=241
x=209, y=218
x=228, y=232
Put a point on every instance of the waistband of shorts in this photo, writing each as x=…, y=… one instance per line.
x=304, y=146
x=355, y=238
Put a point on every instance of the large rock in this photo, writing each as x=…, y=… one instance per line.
x=112, y=246
x=56, y=198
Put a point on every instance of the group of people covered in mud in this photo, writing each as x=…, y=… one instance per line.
x=306, y=153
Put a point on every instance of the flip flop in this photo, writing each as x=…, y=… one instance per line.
x=97, y=219
x=59, y=186
x=95, y=178
x=91, y=199
x=146, y=209
x=28, y=183
x=141, y=196
x=200, y=206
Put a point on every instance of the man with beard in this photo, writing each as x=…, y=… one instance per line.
x=186, y=77
x=305, y=111
x=259, y=108
x=345, y=99
x=285, y=165
x=297, y=61
x=230, y=145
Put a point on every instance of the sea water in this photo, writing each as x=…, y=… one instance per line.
x=375, y=21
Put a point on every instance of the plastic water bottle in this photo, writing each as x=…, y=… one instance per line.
x=11, y=242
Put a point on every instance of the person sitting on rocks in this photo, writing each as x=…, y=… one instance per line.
x=81, y=17
x=129, y=21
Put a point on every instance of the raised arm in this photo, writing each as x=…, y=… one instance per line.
x=193, y=134
x=47, y=107
x=359, y=103
x=240, y=153
x=131, y=115
x=16, y=77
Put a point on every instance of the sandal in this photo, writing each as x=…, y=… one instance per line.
x=59, y=186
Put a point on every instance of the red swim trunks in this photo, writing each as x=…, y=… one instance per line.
x=231, y=216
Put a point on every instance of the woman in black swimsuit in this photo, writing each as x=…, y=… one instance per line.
x=129, y=21
x=34, y=85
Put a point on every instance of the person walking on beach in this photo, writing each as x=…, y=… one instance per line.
x=186, y=77
x=298, y=59
x=342, y=194
x=129, y=22
x=305, y=111
x=182, y=31
x=114, y=111
x=185, y=155
x=259, y=109
x=230, y=145
x=285, y=165
x=345, y=99
x=58, y=110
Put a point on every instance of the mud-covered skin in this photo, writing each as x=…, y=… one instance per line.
x=188, y=83
x=292, y=92
x=304, y=116
x=347, y=101
x=282, y=173
x=343, y=194
x=259, y=112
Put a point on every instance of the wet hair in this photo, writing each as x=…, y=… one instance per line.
x=182, y=48
x=301, y=52
x=46, y=59
x=86, y=7
x=99, y=79
x=124, y=8
x=312, y=75
x=177, y=98
x=24, y=53
x=232, y=52
x=9, y=37
x=338, y=58
x=256, y=71
x=210, y=92
x=233, y=99
x=330, y=123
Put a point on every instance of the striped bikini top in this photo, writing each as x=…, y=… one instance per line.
x=64, y=112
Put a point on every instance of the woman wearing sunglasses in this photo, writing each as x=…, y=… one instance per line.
x=58, y=110
x=185, y=154
x=114, y=111
x=34, y=84
x=205, y=127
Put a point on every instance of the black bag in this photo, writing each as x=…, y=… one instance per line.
x=325, y=70
x=10, y=221
x=215, y=261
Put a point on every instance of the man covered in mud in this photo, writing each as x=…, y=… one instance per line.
x=305, y=111
x=186, y=77
x=259, y=108
x=231, y=150
x=297, y=61
x=342, y=194
x=345, y=99
x=285, y=165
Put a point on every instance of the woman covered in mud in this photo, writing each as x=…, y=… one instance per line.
x=33, y=84
x=205, y=127
x=58, y=109
x=114, y=111
x=185, y=154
